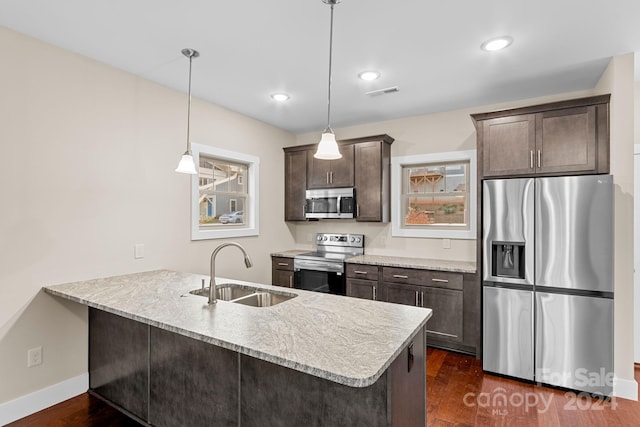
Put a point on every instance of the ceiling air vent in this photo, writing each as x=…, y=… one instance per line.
x=383, y=91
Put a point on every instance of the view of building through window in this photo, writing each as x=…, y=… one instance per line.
x=222, y=192
x=435, y=194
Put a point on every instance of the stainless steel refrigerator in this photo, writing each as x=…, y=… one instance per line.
x=548, y=280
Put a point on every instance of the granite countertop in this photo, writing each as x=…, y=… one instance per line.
x=346, y=340
x=420, y=263
x=291, y=253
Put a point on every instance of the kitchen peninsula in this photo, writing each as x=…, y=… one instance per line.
x=166, y=357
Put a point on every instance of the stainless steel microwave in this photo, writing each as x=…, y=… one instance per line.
x=330, y=203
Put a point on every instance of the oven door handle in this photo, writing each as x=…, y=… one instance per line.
x=332, y=267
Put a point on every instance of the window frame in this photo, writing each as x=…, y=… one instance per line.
x=433, y=231
x=251, y=228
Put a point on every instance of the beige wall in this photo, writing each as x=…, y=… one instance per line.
x=430, y=133
x=87, y=155
x=618, y=79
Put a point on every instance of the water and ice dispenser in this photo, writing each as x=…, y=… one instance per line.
x=508, y=260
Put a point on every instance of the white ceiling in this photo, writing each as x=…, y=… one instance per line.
x=429, y=49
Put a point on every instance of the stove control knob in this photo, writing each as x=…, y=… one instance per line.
x=319, y=238
x=324, y=238
x=358, y=240
x=353, y=239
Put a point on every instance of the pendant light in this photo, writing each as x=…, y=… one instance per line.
x=187, y=164
x=328, y=147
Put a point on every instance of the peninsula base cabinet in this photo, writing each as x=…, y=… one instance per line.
x=453, y=297
x=162, y=378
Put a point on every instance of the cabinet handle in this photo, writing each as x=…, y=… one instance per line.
x=374, y=293
x=417, y=305
x=291, y=281
x=422, y=299
x=442, y=333
x=538, y=158
x=531, y=159
x=357, y=210
x=327, y=177
x=359, y=272
x=400, y=276
x=440, y=280
x=284, y=264
x=331, y=177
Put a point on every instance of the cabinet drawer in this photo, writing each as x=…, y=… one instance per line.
x=441, y=279
x=362, y=271
x=405, y=275
x=282, y=263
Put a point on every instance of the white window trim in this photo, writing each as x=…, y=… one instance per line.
x=252, y=228
x=397, y=164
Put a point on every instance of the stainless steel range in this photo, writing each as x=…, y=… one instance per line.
x=323, y=269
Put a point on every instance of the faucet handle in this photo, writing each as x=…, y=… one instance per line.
x=202, y=282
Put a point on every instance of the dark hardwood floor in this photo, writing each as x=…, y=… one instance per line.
x=458, y=394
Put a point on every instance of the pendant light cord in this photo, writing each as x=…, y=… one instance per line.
x=330, y=56
x=189, y=107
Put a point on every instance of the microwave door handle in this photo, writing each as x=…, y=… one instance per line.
x=338, y=204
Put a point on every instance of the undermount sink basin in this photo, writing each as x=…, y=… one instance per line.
x=263, y=299
x=241, y=294
x=226, y=291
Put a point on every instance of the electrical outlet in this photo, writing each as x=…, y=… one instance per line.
x=446, y=243
x=138, y=251
x=34, y=357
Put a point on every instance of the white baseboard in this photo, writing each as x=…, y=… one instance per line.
x=627, y=389
x=31, y=403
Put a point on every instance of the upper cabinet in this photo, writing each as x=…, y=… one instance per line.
x=561, y=138
x=331, y=173
x=365, y=165
x=295, y=184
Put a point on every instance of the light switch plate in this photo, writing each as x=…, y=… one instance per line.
x=138, y=251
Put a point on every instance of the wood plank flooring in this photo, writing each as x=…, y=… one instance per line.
x=458, y=394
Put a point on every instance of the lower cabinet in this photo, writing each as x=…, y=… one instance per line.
x=454, y=321
x=362, y=281
x=282, y=271
x=365, y=289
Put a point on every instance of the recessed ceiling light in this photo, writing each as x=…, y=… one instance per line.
x=497, y=43
x=369, y=75
x=280, y=97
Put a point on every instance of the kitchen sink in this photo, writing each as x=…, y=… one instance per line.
x=226, y=291
x=263, y=299
x=246, y=295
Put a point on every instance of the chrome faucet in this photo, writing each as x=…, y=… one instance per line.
x=212, y=280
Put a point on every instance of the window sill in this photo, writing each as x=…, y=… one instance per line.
x=224, y=234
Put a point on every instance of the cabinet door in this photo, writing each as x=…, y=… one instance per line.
x=402, y=294
x=283, y=278
x=365, y=289
x=331, y=173
x=509, y=145
x=342, y=174
x=566, y=140
x=446, y=321
x=368, y=181
x=295, y=184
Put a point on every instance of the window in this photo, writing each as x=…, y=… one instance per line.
x=224, y=194
x=433, y=195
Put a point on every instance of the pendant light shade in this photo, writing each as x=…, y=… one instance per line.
x=187, y=165
x=328, y=147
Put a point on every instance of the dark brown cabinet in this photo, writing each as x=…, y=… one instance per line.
x=331, y=173
x=362, y=281
x=372, y=170
x=562, y=138
x=295, y=184
x=365, y=165
x=282, y=271
x=440, y=291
